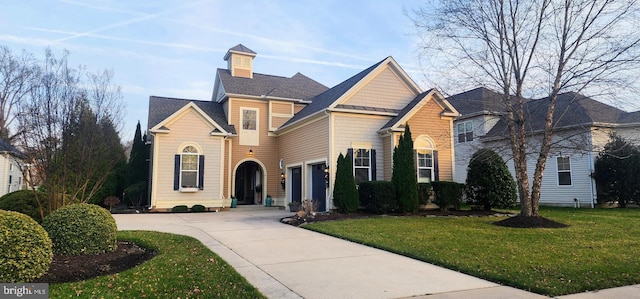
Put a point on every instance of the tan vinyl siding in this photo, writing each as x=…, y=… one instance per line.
x=427, y=121
x=309, y=142
x=281, y=108
x=193, y=129
x=387, y=151
x=386, y=90
x=238, y=72
x=298, y=107
x=350, y=129
x=280, y=113
x=264, y=153
x=277, y=121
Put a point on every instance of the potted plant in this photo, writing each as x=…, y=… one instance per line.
x=268, y=201
x=294, y=206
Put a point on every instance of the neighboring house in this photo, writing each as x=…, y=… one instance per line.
x=10, y=173
x=582, y=127
x=280, y=136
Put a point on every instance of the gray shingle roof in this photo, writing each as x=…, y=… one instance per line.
x=571, y=109
x=297, y=87
x=325, y=99
x=477, y=100
x=242, y=48
x=161, y=107
x=8, y=148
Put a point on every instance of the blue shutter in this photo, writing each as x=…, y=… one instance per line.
x=436, y=169
x=201, y=172
x=373, y=165
x=176, y=172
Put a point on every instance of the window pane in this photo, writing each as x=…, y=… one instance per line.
x=461, y=138
x=564, y=178
x=424, y=175
x=469, y=127
x=461, y=128
x=189, y=178
x=249, y=119
x=564, y=164
x=361, y=157
x=362, y=175
x=189, y=162
x=470, y=136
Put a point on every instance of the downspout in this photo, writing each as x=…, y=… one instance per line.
x=591, y=179
x=332, y=166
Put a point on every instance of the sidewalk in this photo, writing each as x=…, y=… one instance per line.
x=283, y=261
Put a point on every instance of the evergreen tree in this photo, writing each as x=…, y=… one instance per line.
x=345, y=194
x=489, y=182
x=404, y=174
x=137, y=170
x=616, y=172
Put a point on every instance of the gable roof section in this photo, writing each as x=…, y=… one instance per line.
x=572, y=109
x=5, y=147
x=477, y=101
x=397, y=123
x=162, y=108
x=298, y=87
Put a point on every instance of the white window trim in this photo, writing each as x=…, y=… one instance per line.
x=197, y=170
x=353, y=162
x=464, y=125
x=247, y=136
x=558, y=171
x=418, y=167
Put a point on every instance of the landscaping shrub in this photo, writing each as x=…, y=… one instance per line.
x=447, y=194
x=25, y=248
x=616, y=172
x=378, y=196
x=81, y=229
x=489, y=182
x=180, y=209
x=404, y=173
x=424, y=192
x=345, y=194
x=198, y=208
x=24, y=201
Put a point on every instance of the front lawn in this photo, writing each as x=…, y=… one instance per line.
x=598, y=250
x=183, y=268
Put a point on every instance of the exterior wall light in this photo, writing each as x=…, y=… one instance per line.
x=326, y=175
x=282, y=180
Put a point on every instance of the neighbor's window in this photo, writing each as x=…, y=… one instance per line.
x=362, y=165
x=465, y=131
x=189, y=167
x=249, y=118
x=564, y=171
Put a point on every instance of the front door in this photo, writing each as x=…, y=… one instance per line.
x=319, y=187
x=296, y=184
x=248, y=183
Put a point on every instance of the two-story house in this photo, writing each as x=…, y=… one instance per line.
x=10, y=172
x=265, y=135
x=581, y=129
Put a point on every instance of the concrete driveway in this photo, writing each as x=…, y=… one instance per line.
x=283, y=261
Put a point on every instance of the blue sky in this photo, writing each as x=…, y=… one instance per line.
x=173, y=47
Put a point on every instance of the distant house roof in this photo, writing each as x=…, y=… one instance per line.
x=572, y=109
x=476, y=101
x=5, y=147
x=328, y=97
x=162, y=107
x=298, y=87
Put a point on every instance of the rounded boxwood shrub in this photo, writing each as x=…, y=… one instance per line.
x=24, y=201
x=81, y=229
x=25, y=248
x=180, y=209
x=489, y=182
x=198, y=208
x=447, y=194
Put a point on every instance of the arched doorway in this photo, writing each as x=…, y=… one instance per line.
x=248, y=183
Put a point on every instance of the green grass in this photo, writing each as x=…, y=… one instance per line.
x=598, y=250
x=183, y=268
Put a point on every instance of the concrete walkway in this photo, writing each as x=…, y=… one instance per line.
x=283, y=261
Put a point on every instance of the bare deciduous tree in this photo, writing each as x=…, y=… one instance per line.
x=16, y=74
x=532, y=48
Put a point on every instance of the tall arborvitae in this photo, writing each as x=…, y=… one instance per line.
x=404, y=173
x=138, y=170
x=345, y=194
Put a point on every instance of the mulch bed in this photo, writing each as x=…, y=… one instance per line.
x=82, y=267
x=512, y=220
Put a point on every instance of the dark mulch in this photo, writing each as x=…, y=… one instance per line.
x=529, y=222
x=82, y=267
x=297, y=221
